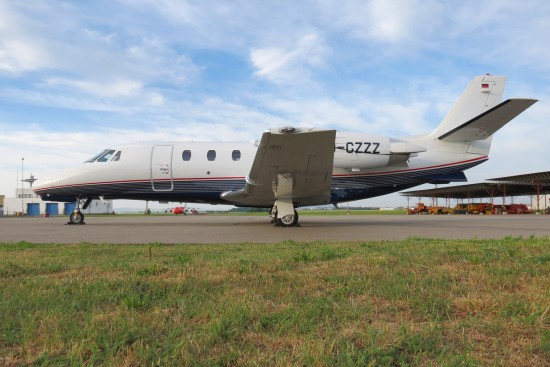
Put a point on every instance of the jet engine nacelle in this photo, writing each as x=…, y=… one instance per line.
x=361, y=151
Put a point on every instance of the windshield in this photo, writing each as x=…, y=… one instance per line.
x=96, y=156
x=104, y=156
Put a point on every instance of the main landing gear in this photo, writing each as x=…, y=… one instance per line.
x=283, y=219
x=283, y=213
x=76, y=216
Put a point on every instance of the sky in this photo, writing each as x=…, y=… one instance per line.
x=79, y=76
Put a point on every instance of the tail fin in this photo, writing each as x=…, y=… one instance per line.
x=482, y=94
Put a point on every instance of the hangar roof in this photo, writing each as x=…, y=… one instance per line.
x=520, y=185
x=538, y=177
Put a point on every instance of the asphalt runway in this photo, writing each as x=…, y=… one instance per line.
x=257, y=229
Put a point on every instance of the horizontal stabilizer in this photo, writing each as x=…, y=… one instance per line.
x=486, y=124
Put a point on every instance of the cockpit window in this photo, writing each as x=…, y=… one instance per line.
x=106, y=156
x=93, y=159
x=116, y=157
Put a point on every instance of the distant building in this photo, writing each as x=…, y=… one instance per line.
x=25, y=201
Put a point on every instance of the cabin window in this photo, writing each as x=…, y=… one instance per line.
x=211, y=155
x=186, y=155
x=236, y=155
x=116, y=157
x=106, y=156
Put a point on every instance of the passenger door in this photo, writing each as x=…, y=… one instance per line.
x=161, y=168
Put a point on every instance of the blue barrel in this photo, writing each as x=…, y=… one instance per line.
x=52, y=209
x=33, y=209
x=68, y=208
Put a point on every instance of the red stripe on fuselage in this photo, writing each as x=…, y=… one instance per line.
x=410, y=169
x=242, y=178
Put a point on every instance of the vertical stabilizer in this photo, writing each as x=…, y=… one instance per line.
x=482, y=94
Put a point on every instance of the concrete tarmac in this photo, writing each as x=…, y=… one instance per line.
x=172, y=229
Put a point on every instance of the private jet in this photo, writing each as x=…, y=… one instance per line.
x=291, y=167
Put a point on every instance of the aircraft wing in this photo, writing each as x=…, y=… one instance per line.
x=487, y=123
x=303, y=157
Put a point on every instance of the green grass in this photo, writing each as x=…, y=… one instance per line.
x=418, y=302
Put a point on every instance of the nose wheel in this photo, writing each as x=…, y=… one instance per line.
x=76, y=216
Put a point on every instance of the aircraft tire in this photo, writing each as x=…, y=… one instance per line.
x=76, y=217
x=288, y=220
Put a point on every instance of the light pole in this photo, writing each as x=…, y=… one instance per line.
x=22, y=187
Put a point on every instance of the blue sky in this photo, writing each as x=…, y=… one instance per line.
x=78, y=76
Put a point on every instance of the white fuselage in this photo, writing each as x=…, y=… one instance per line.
x=364, y=166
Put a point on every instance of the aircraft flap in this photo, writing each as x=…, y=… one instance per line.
x=304, y=155
x=486, y=124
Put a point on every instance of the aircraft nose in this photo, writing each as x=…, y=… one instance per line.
x=49, y=184
x=38, y=184
x=54, y=189
x=41, y=185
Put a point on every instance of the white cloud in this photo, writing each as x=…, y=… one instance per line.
x=289, y=65
x=383, y=21
x=20, y=51
x=393, y=20
x=62, y=100
x=17, y=56
x=113, y=89
x=179, y=11
x=81, y=67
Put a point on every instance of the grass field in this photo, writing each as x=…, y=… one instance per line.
x=418, y=302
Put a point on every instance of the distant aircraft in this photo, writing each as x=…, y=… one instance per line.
x=291, y=167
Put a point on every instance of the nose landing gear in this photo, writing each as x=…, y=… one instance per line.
x=76, y=216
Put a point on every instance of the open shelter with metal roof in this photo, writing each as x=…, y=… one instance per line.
x=531, y=184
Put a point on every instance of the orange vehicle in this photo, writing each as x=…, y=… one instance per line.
x=421, y=208
x=473, y=208
x=179, y=210
x=483, y=208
